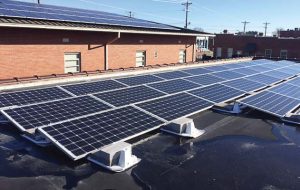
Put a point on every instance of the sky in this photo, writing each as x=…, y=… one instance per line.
x=211, y=15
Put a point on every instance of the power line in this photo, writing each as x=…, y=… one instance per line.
x=266, y=27
x=245, y=24
x=187, y=4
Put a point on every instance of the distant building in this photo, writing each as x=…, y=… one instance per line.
x=290, y=33
x=231, y=45
x=44, y=40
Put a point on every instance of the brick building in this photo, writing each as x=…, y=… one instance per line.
x=45, y=46
x=290, y=33
x=230, y=45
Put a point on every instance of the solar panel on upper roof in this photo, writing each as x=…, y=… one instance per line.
x=86, y=135
x=217, y=68
x=207, y=79
x=228, y=75
x=233, y=65
x=174, y=86
x=172, y=75
x=259, y=68
x=290, y=70
x=295, y=82
x=175, y=106
x=33, y=116
x=272, y=103
x=287, y=90
x=274, y=65
x=129, y=95
x=217, y=93
x=246, y=71
x=31, y=96
x=278, y=74
x=50, y=12
x=138, y=80
x=93, y=87
x=198, y=71
x=244, y=84
x=263, y=79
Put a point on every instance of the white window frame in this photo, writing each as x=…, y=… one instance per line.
x=268, y=55
x=78, y=62
x=285, y=56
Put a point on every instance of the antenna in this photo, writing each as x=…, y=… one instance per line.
x=130, y=14
x=187, y=4
x=266, y=27
x=245, y=24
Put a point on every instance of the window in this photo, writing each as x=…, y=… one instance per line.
x=283, y=54
x=230, y=52
x=219, y=52
x=140, y=58
x=268, y=53
x=182, y=56
x=72, y=62
x=239, y=53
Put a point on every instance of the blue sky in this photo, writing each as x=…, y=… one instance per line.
x=211, y=15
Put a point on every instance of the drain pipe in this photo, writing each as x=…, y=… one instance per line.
x=106, y=66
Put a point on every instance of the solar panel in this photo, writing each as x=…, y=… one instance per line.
x=259, y=68
x=233, y=65
x=129, y=95
x=217, y=93
x=197, y=71
x=217, y=68
x=246, y=71
x=287, y=90
x=173, y=75
x=263, y=79
x=244, y=85
x=295, y=82
x=174, y=86
x=85, y=135
x=278, y=74
x=33, y=116
x=50, y=12
x=31, y=96
x=272, y=103
x=138, y=80
x=274, y=65
x=205, y=79
x=228, y=75
x=290, y=70
x=175, y=106
x=93, y=87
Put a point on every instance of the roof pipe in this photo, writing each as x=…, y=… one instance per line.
x=106, y=65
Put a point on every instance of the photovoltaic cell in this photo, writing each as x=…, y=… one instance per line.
x=272, y=103
x=228, y=75
x=86, y=135
x=217, y=93
x=175, y=106
x=259, y=68
x=246, y=71
x=129, y=95
x=217, y=68
x=33, y=116
x=263, y=79
x=93, y=87
x=205, y=79
x=31, y=96
x=198, y=71
x=244, y=85
x=172, y=75
x=295, y=82
x=174, y=86
x=278, y=74
x=233, y=65
x=287, y=90
x=138, y=80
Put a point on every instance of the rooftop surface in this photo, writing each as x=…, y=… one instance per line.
x=248, y=151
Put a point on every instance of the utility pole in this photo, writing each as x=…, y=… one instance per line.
x=38, y=1
x=187, y=4
x=245, y=24
x=266, y=27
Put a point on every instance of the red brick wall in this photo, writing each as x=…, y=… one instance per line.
x=290, y=34
x=28, y=52
x=226, y=41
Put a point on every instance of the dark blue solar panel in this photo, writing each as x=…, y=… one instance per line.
x=233, y=65
x=246, y=71
x=228, y=75
x=175, y=106
x=290, y=70
x=278, y=74
x=244, y=85
x=205, y=79
x=86, y=135
x=138, y=80
x=263, y=79
x=174, y=86
x=287, y=90
x=93, y=87
x=34, y=116
x=172, y=75
x=272, y=103
x=295, y=82
x=197, y=71
x=129, y=95
x=217, y=68
x=31, y=96
x=217, y=93
x=259, y=68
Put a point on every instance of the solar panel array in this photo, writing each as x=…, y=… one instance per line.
x=81, y=118
x=18, y=9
